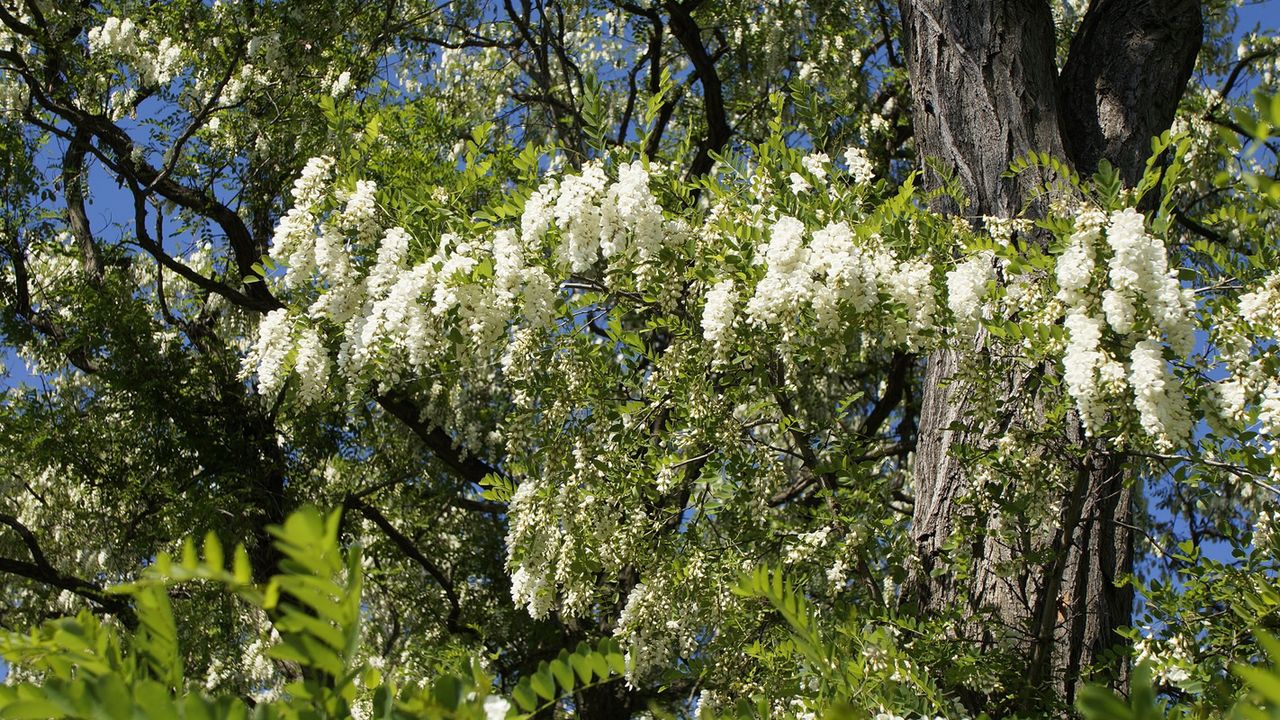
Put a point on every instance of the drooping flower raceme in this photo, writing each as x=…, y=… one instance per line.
x=1161, y=405
x=1139, y=272
x=293, y=243
x=577, y=214
x=1143, y=304
x=268, y=355
x=718, y=317
x=859, y=165
x=312, y=365
x=1081, y=361
x=788, y=282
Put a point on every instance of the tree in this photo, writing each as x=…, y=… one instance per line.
x=569, y=311
x=1126, y=67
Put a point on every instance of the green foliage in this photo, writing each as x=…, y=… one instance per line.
x=1258, y=698
x=1100, y=703
x=93, y=669
x=582, y=669
x=846, y=666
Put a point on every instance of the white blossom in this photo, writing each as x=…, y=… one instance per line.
x=1080, y=362
x=786, y=284
x=816, y=164
x=799, y=185
x=860, y=166
x=1138, y=269
x=718, y=317
x=966, y=288
x=312, y=366
x=268, y=355
x=578, y=217
x=360, y=214
x=1269, y=409
x=1162, y=407
x=496, y=708
x=389, y=262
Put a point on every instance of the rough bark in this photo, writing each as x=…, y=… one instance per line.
x=983, y=87
x=985, y=92
x=1123, y=78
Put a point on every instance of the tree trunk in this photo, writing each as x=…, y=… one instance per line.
x=986, y=91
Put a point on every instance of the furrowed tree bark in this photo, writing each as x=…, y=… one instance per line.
x=985, y=92
x=1126, y=71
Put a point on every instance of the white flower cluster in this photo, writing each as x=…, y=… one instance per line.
x=832, y=273
x=360, y=214
x=532, y=585
x=807, y=544
x=1170, y=660
x=655, y=631
x=392, y=320
x=577, y=214
x=286, y=344
x=1137, y=276
x=718, y=317
x=269, y=353
x=1248, y=351
x=1002, y=229
x=155, y=60
x=816, y=164
x=1264, y=526
x=1261, y=307
x=1085, y=366
x=1162, y=408
x=1139, y=272
x=630, y=217
x=620, y=222
x=967, y=288
x=788, y=281
x=312, y=365
x=859, y=165
x=293, y=242
x=560, y=534
x=1269, y=409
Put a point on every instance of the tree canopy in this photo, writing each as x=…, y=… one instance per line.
x=669, y=357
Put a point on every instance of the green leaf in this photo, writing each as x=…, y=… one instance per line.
x=1262, y=681
x=190, y=561
x=242, y=570
x=613, y=656
x=542, y=682
x=38, y=709
x=582, y=666
x=213, y=551
x=563, y=670
x=1099, y=703
x=525, y=697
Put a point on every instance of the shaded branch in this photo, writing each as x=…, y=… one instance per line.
x=470, y=469
x=73, y=176
x=41, y=571
x=411, y=550
x=689, y=35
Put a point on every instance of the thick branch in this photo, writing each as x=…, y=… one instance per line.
x=894, y=387
x=41, y=571
x=1128, y=67
x=154, y=247
x=689, y=35
x=73, y=175
x=411, y=550
x=121, y=145
x=470, y=469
